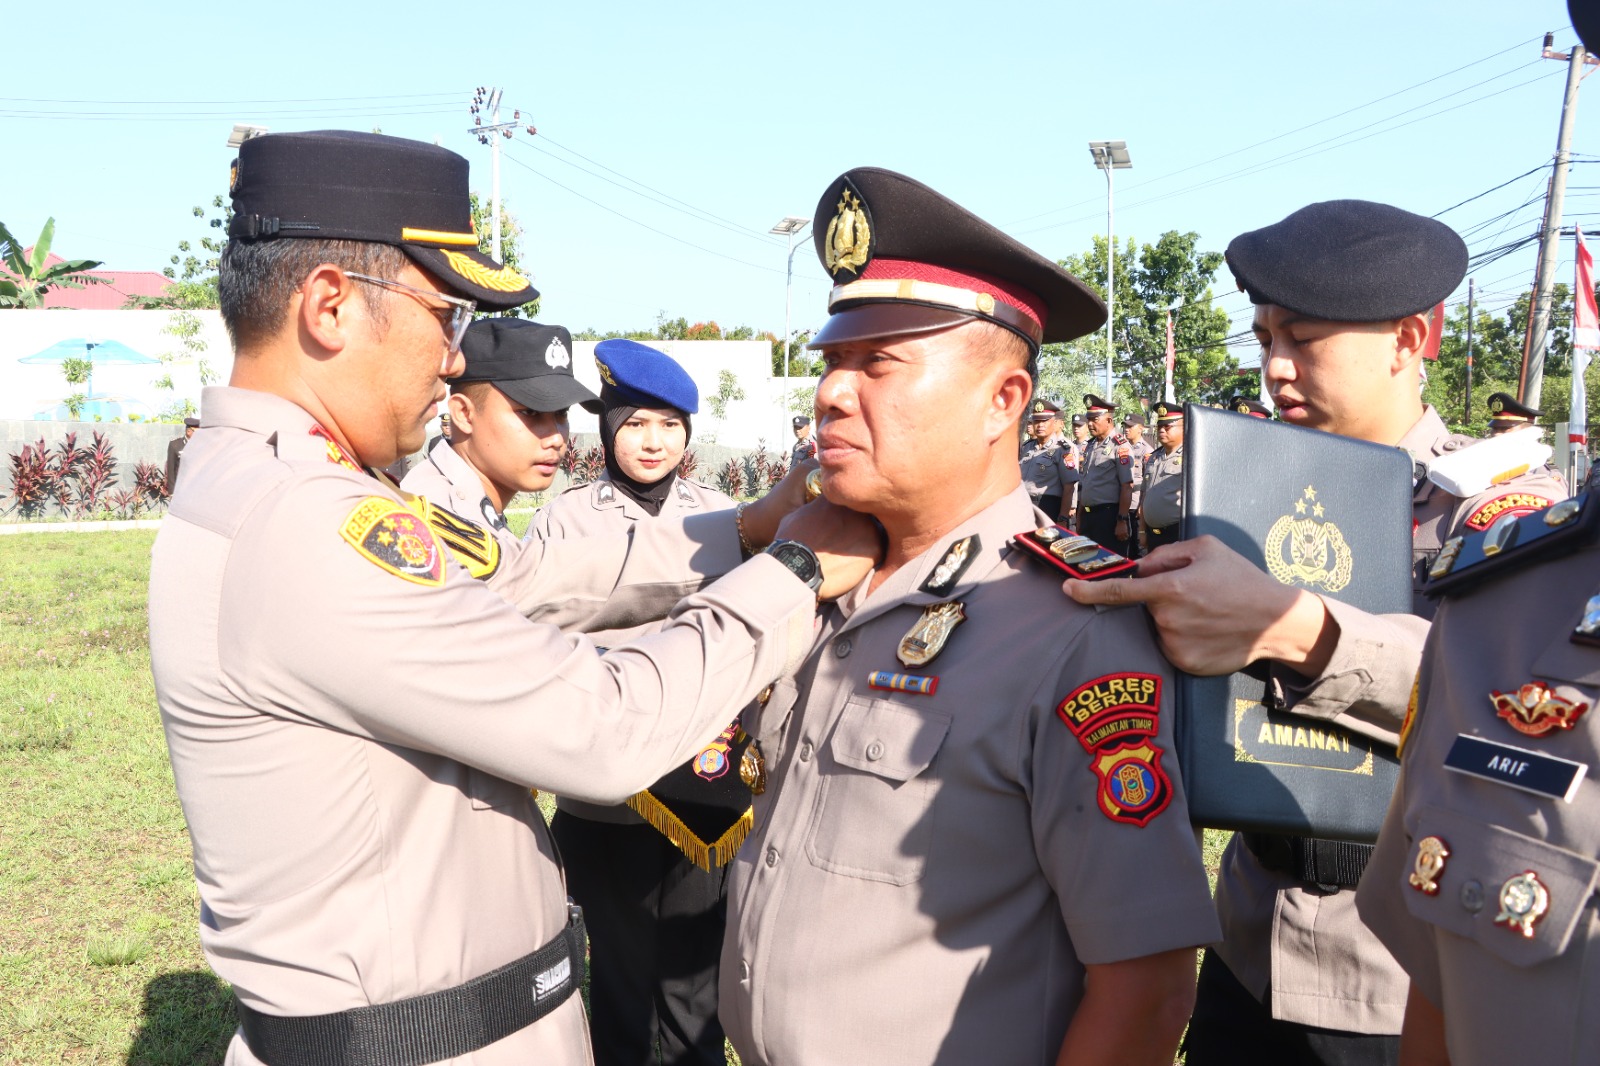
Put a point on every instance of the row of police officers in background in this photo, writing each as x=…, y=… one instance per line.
x=960, y=833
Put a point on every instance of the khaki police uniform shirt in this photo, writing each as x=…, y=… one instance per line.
x=1139, y=452
x=1506, y=997
x=803, y=450
x=929, y=874
x=1163, y=489
x=353, y=748
x=1305, y=947
x=449, y=481
x=599, y=509
x=1107, y=466
x=1049, y=468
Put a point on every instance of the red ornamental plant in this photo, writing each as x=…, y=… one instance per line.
x=732, y=478
x=150, y=482
x=776, y=471
x=687, y=465
x=93, y=473
x=125, y=502
x=32, y=479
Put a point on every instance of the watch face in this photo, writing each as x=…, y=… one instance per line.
x=799, y=559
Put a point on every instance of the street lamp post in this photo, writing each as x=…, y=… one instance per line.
x=1109, y=156
x=788, y=227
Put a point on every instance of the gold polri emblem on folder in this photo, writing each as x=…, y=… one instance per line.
x=1306, y=549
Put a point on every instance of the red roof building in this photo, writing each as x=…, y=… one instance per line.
x=124, y=283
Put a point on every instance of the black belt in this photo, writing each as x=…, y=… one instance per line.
x=429, y=1028
x=1326, y=863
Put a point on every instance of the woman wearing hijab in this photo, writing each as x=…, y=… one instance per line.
x=650, y=874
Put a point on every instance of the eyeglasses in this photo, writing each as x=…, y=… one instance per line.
x=460, y=311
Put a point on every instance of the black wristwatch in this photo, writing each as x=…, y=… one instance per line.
x=801, y=560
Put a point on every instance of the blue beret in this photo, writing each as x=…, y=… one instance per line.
x=1350, y=261
x=642, y=376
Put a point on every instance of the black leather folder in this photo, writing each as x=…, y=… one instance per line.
x=1316, y=511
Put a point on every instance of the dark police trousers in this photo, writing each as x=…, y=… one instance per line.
x=655, y=923
x=1229, y=1027
x=1050, y=505
x=1098, y=522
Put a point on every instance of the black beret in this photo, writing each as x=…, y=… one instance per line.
x=1585, y=15
x=905, y=259
x=529, y=362
x=1350, y=261
x=340, y=185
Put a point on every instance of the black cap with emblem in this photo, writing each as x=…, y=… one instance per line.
x=1097, y=406
x=1244, y=405
x=1167, y=413
x=341, y=185
x=906, y=260
x=1506, y=413
x=529, y=362
x=1350, y=261
x=1044, y=410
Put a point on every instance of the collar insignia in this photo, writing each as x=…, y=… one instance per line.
x=955, y=562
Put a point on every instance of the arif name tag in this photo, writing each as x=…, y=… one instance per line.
x=1504, y=764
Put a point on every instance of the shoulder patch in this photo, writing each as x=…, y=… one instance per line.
x=685, y=493
x=473, y=546
x=1512, y=503
x=1116, y=718
x=395, y=540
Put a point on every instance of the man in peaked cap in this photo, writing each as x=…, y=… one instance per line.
x=1139, y=449
x=354, y=719
x=509, y=428
x=1343, y=294
x=938, y=790
x=1162, y=504
x=1507, y=414
x=650, y=874
x=1245, y=405
x=1105, y=486
x=1049, y=467
x=175, y=452
x=804, y=446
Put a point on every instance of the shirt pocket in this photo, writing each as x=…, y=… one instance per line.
x=1482, y=860
x=875, y=812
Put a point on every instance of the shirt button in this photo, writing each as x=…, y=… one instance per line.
x=805, y=752
x=841, y=647
x=772, y=856
x=1472, y=896
x=875, y=751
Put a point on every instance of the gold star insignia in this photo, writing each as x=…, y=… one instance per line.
x=1311, y=493
x=1299, y=507
x=1317, y=510
x=387, y=523
x=385, y=539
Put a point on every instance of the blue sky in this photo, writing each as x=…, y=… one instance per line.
x=672, y=137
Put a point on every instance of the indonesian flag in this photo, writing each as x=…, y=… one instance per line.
x=1435, y=332
x=1585, y=335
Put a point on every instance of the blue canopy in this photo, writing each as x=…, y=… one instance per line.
x=94, y=351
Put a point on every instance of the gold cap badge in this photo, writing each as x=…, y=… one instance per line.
x=849, y=237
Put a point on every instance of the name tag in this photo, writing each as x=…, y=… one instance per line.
x=1531, y=771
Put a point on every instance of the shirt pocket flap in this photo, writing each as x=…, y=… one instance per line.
x=885, y=739
x=1482, y=860
x=1569, y=662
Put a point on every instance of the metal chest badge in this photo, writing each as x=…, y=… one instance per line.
x=1533, y=710
x=1431, y=853
x=1587, y=631
x=927, y=638
x=1524, y=899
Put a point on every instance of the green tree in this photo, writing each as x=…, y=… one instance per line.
x=803, y=363
x=510, y=246
x=1149, y=280
x=77, y=372
x=25, y=280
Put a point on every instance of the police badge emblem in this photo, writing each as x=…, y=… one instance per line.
x=922, y=644
x=848, y=242
x=1431, y=853
x=1524, y=899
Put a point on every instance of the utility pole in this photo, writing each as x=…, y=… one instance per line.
x=1466, y=410
x=486, y=135
x=1550, y=235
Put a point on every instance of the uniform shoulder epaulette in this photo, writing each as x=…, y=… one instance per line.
x=1475, y=465
x=1509, y=545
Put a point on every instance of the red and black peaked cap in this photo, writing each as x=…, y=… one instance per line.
x=341, y=185
x=905, y=260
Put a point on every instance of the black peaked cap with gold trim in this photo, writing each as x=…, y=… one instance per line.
x=1505, y=410
x=905, y=260
x=342, y=185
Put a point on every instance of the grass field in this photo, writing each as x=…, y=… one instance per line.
x=99, y=960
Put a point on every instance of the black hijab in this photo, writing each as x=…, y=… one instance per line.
x=649, y=495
